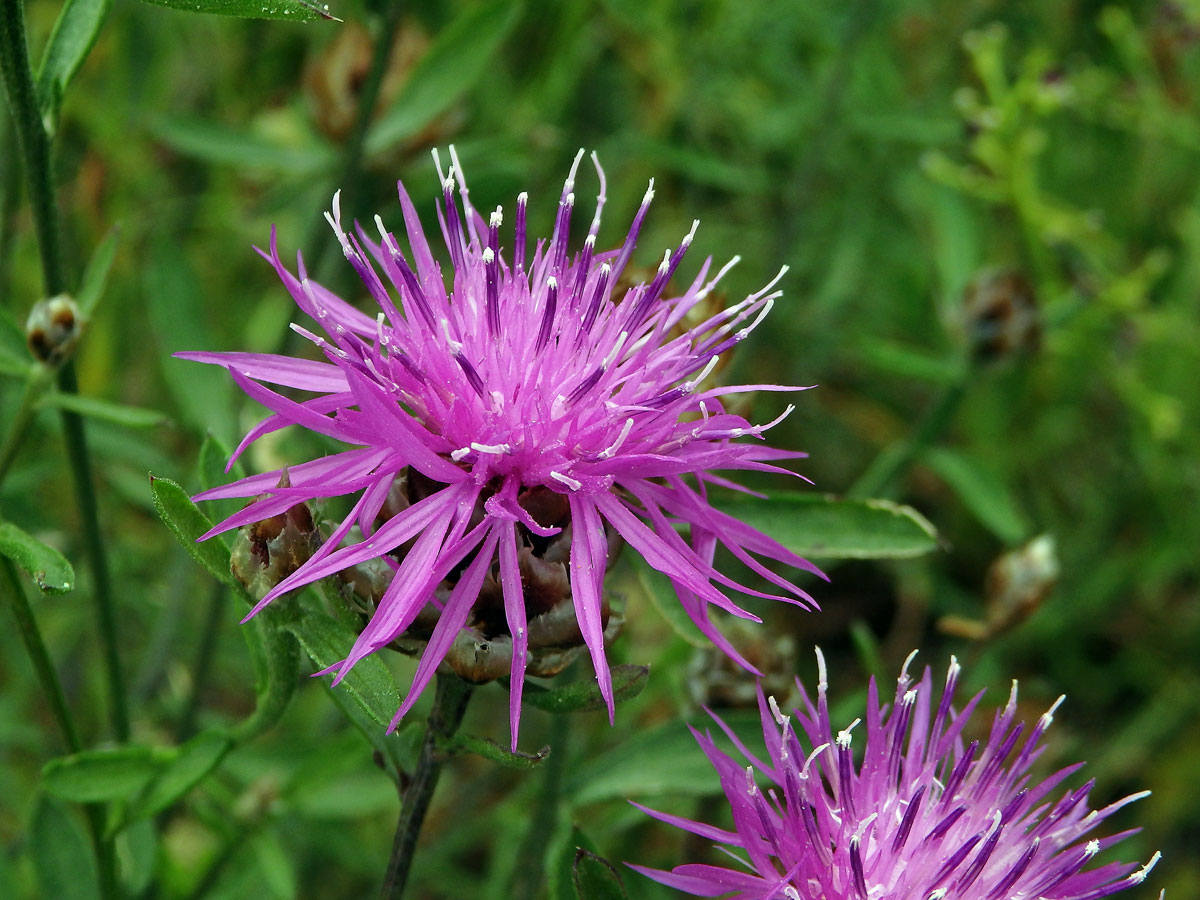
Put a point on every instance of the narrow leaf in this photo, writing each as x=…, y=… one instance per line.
x=95, y=776
x=74, y=33
x=456, y=61
x=48, y=568
x=328, y=641
x=982, y=492
x=222, y=145
x=584, y=696
x=823, y=527
x=490, y=750
x=62, y=857
x=287, y=10
x=191, y=763
x=185, y=520
x=596, y=879
x=117, y=413
x=91, y=287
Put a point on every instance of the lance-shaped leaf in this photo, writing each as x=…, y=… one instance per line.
x=117, y=413
x=185, y=520
x=596, y=879
x=48, y=568
x=490, y=750
x=455, y=61
x=584, y=696
x=820, y=526
x=75, y=31
x=289, y=10
x=95, y=277
x=95, y=776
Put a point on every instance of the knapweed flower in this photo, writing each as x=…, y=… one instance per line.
x=532, y=398
x=923, y=815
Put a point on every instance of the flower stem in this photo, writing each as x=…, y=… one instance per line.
x=12, y=589
x=34, y=144
x=36, y=383
x=529, y=872
x=449, y=705
x=880, y=477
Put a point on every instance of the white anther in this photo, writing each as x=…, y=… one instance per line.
x=567, y=480
x=808, y=760
x=522, y=198
x=552, y=282
x=460, y=454
x=780, y=718
x=1048, y=716
x=612, y=448
x=762, y=314
x=910, y=697
x=488, y=256
x=690, y=386
x=665, y=264
x=649, y=195
x=590, y=241
x=687, y=240
x=707, y=289
x=1092, y=848
x=451, y=344
x=1140, y=875
x=491, y=448
x=497, y=218
x=569, y=200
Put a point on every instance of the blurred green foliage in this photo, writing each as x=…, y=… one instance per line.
x=992, y=217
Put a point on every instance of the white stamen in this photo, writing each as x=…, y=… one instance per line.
x=808, y=761
x=567, y=480
x=910, y=697
x=451, y=344
x=762, y=314
x=384, y=237
x=751, y=786
x=488, y=256
x=938, y=894
x=552, y=282
x=522, y=198
x=908, y=662
x=612, y=354
x=491, y=448
x=1140, y=875
x=569, y=184
x=590, y=242
x=1048, y=716
x=822, y=674
x=707, y=289
x=687, y=240
x=569, y=200
x=780, y=718
x=704, y=410
x=497, y=218
x=666, y=262
x=612, y=448
x=649, y=195
x=843, y=736
x=690, y=386
x=460, y=454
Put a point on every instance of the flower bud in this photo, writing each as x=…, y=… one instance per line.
x=53, y=329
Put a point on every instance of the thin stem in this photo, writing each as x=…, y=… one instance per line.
x=85, y=497
x=13, y=590
x=36, y=383
x=31, y=636
x=529, y=871
x=353, y=149
x=449, y=705
x=889, y=465
x=35, y=152
x=213, y=618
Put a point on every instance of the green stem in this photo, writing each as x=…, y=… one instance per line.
x=36, y=383
x=449, y=705
x=13, y=590
x=31, y=636
x=353, y=150
x=530, y=869
x=32, y=140
x=34, y=143
x=214, y=616
x=880, y=477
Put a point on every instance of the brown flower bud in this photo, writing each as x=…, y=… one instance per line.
x=53, y=329
x=264, y=553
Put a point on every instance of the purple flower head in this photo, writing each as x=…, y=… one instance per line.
x=923, y=815
x=534, y=396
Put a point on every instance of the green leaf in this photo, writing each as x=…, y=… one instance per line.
x=185, y=520
x=910, y=362
x=456, y=60
x=188, y=767
x=117, y=413
x=662, y=760
x=490, y=750
x=213, y=457
x=137, y=850
x=75, y=31
x=91, y=287
x=328, y=642
x=49, y=569
x=820, y=526
x=62, y=858
x=285, y=10
x=982, y=492
x=96, y=776
x=222, y=145
x=657, y=589
x=584, y=696
x=562, y=855
x=596, y=879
